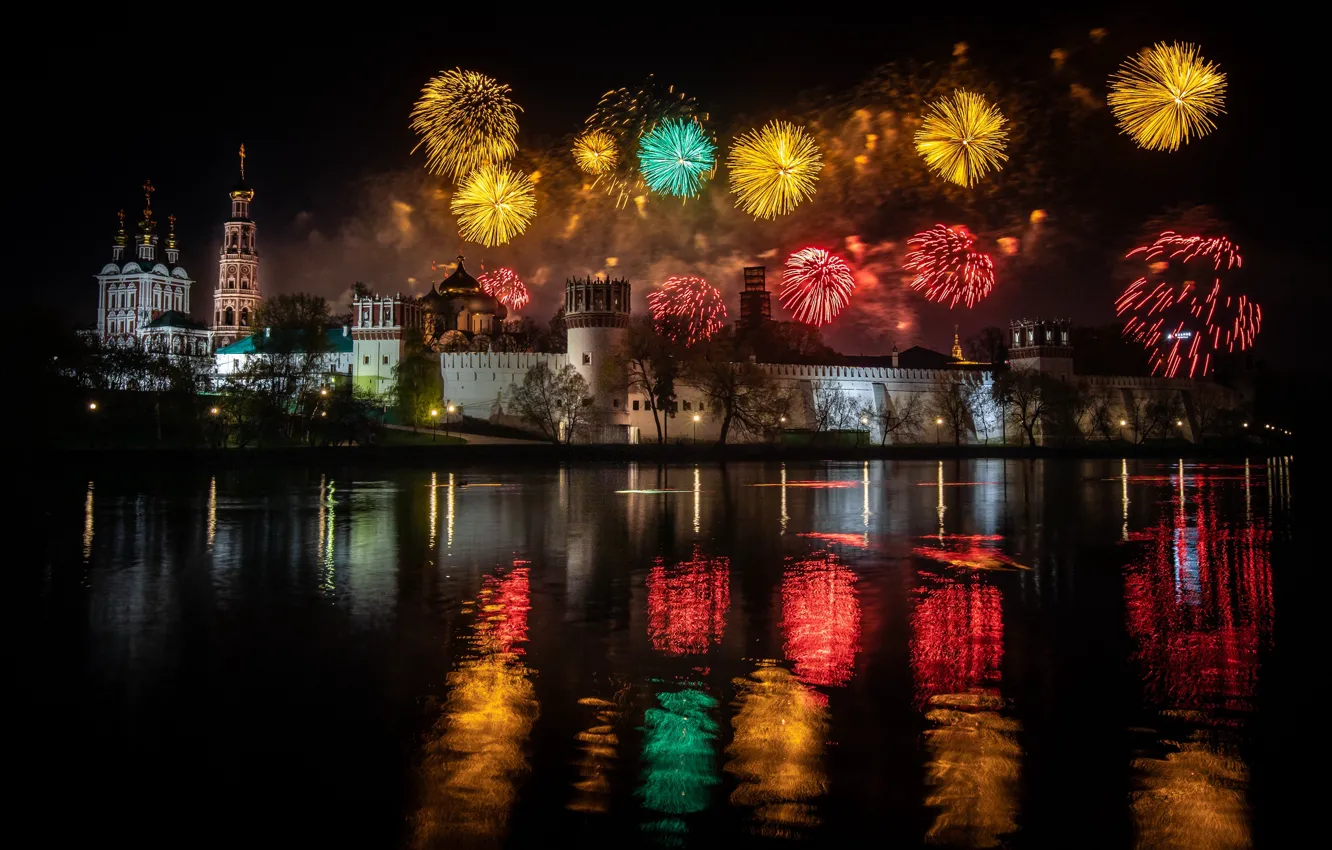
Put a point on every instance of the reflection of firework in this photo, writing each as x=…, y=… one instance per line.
x=821, y=620
x=493, y=205
x=1165, y=95
x=465, y=120
x=687, y=604
x=624, y=115
x=962, y=138
x=773, y=169
x=687, y=309
x=506, y=287
x=1174, y=317
x=816, y=286
x=594, y=152
x=948, y=267
x=957, y=638
x=676, y=157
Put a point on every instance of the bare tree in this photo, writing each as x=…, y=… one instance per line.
x=648, y=362
x=1101, y=419
x=741, y=391
x=1152, y=415
x=951, y=403
x=902, y=419
x=1211, y=406
x=831, y=408
x=1027, y=393
x=985, y=409
x=558, y=403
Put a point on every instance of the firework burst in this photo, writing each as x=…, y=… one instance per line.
x=948, y=267
x=625, y=115
x=687, y=309
x=962, y=138
x=773, y=169
x=493, y=205
x=595, y=153
x=1180, y=319
x=465, y=120
x=676, y=157
x=1166, y=95
x=816, y=285
x=506, y=287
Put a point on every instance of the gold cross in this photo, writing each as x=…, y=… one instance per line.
x=148, y=193
x=242, y=157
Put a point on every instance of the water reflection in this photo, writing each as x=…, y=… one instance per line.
x=598, y=746
x=1199, y=610
x=957, y=637
x=679, y=765
x=88, y=524
x=973, y=770
x=821, y=619
x=475, y=752
x=776, y=753
x=687, y=604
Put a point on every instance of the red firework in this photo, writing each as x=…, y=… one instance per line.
x=1179, y=318
x=948, y=266
x=816, y=286
x=506, y=287
x=687, y=309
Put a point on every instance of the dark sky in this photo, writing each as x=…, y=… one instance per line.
x=322, y=113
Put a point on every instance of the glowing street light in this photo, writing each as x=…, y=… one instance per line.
x=696, y=418
x=434, y=412
x=937, y=423
x=92, y=405
x=323, y=390
x=214, y=411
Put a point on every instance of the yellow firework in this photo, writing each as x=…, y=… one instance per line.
x=493, y=205
x=465, y=120
x=963, y=137
x=773, y=169
x=1167, y=94
x=594, y=152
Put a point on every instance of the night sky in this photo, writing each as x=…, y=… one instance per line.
x=324, y=118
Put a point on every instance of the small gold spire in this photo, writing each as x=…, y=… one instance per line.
x=120, y=231
x=957, y=345
x=171, y=231
x=242, y=160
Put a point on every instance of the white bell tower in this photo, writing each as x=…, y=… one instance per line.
x=237, y=295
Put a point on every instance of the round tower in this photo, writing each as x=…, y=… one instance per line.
x=596, y=315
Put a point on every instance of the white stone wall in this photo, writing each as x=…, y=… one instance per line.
x=475, y=382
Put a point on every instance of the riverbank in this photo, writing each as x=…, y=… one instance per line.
x=545, y=454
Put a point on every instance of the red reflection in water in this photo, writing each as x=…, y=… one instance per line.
x=504, y=604
x=1199, y=606
x=968, y=551
x=821, y=619
x=687, y=604
x=957, y=638
x=858, y=540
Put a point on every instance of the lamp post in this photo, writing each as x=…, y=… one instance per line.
x=864, y=420
x=696, y=418
x=1122, y=423
x=451, y=408
x=434, y=412
x=937, y=422
x=92, y=405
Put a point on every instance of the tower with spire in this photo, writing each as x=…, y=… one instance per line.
x=142, y=300
x=237, y=295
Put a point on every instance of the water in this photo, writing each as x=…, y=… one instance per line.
x=966, y=653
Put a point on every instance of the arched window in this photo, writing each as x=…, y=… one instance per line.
x=231, y=317
x=245, y=284
x=231, y=284
x=245, y=316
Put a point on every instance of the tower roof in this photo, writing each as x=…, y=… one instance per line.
x=460, y=281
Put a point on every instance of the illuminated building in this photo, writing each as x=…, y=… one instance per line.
x=237, y=295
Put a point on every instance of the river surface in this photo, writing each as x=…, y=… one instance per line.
x=968, y=653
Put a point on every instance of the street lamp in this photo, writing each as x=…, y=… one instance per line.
x=214, y=411
x=937, y=422
x=451, y=409
x=1244, y=424
x=696, y=418
x=434, y=412
x=323, y=390
x=92, y=405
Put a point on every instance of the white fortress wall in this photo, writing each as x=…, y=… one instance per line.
x=476, y=381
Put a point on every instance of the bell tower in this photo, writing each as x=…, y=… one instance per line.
x=237, y=295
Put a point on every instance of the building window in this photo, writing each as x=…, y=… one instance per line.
x=700, y=408
x=635, y=404
x=615, y=403
x=385, y=359
x=587, y=358
x=245, y=316
x=686, y=405
x=366, y=360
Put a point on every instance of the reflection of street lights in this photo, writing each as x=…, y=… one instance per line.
x=937, y=423
x=696, y=418
x=434, y=412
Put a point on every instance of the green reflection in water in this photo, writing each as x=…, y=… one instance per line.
x=678, y=752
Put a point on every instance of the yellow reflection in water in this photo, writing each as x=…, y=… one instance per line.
x=942, y=509
x=599, y=745
x=434, y=510
x=475, y=754
x=781, y=726
x=785, y=517
x=973, y=770
x=1194, y=797
x=88, y=524
x=212, y=510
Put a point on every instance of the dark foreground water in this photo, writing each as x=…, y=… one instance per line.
x=972, y=653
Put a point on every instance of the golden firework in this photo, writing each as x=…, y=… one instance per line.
x=594, y=152
x=773, y=169
x=1167, y=94
x=465, y=120
x=493, y=205
x=963, y=137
